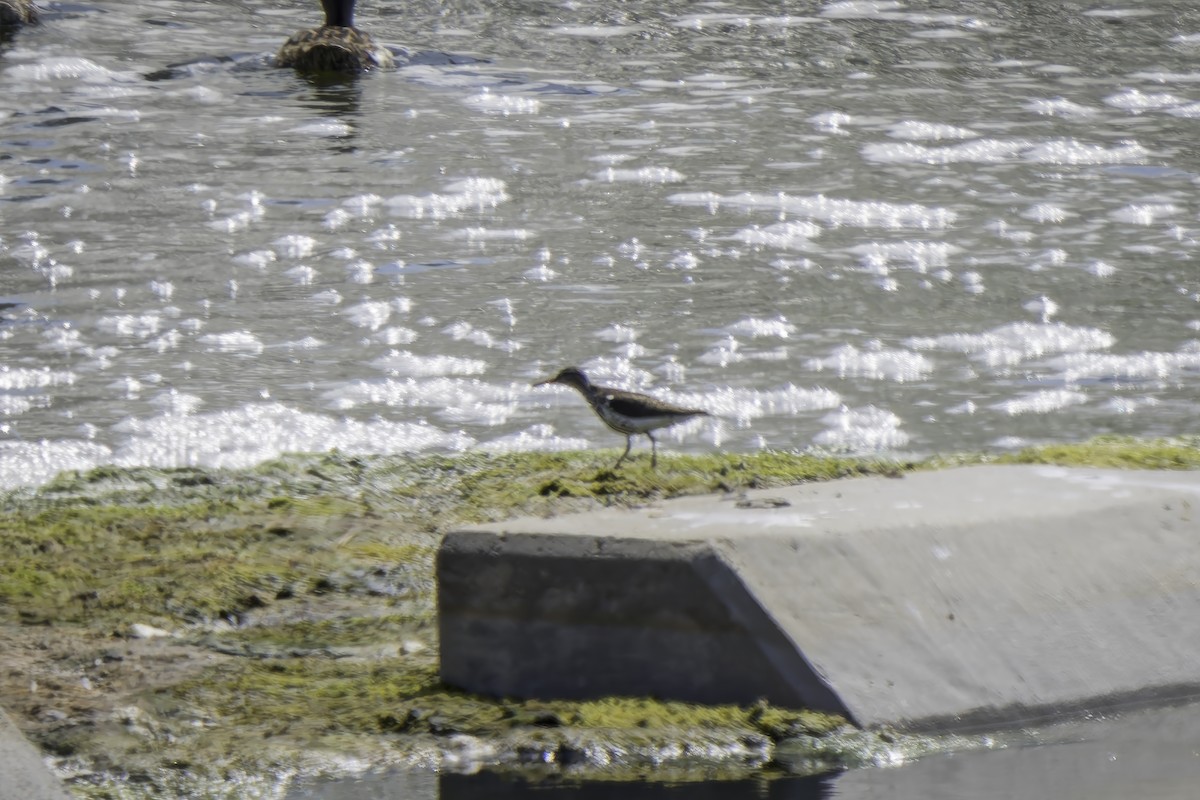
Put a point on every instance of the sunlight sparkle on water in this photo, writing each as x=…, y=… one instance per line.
x=724, y=206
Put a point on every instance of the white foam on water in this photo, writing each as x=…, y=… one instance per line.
x=486, y=414
x=337, y=219
x=618, y=333
x=301, y=275
x=331, y=128
x=1047, y=213
x=204, y=95
x=1060, y=107
x=11, y=406
x=464, y=331
x=743, y=405
x=65, y=68
x=1189, y=111
x=307, y=343
x=394, y=335
x=1070, y=151
x=1120, y=13
x=35, y=463
x=236, y=222
x=1145, y=213
x=862, y=430
x=793, y=235
x=403, y=362
x=976, y=151
x=504, y=105
x=139, y=326
x=536, y=437
x=994, y=151
x=218, y=439
x=493, y=234
x=1130, y=405
x=163, y=290
x=18, y=379
x=1161, y=76
x=922, y=256
x=648, y=175
x=831, y=210
x=295, y=246
x=1137, y=102
x=540, y=274
x=915, y=129
x=65, y=340
x=243, y=342
x=256, y=259
x=329, y=297
x=860, y=9
x=1008, y=345
x=460, y=399
x=369, y=314
x=129, y=387
x=756, y=328
x=1044, y=401
x=1161, y=367
x=722, y=353
x=875, y=362
x=595, y=31
x=384, y=238
x=832, y=121
x=362, y=205
x=701, y=20
x=360, y=271
x=480, y=194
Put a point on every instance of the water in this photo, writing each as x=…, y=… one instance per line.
x=868, y=226
x=1152, y=755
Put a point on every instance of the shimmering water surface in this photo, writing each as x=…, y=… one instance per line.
x=867, y=225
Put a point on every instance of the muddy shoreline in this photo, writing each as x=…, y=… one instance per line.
x=173, y=633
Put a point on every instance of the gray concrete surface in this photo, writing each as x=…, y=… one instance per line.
x=981, y=596
x=23, y=775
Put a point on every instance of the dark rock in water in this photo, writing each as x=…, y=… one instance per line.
x=333, y=49
x=17, y=12
x=336, y=46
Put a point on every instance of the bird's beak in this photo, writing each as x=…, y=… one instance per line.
x=542, y=382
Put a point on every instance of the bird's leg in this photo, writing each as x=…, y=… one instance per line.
x=628, y=444
x=653, y=450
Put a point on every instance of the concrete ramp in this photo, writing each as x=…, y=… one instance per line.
x=23, y=776
x=981, y=596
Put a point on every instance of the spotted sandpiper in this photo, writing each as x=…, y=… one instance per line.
x=625, y=412
x=336, y=46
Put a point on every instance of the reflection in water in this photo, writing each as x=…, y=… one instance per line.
x=1150, y=755
x=476, y=787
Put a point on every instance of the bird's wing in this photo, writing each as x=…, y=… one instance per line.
x=642, y=406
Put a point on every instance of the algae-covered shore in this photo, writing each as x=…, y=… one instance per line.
x=187, y=632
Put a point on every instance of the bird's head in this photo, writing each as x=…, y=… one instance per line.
x=570, y=376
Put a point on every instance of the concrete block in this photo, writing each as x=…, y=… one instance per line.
x=980, y=596
x=23, y=776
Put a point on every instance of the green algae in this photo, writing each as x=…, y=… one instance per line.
x=307, y=584
x=404, y=695
x=197, y=562
x=185, y=545
x=1119, y=452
